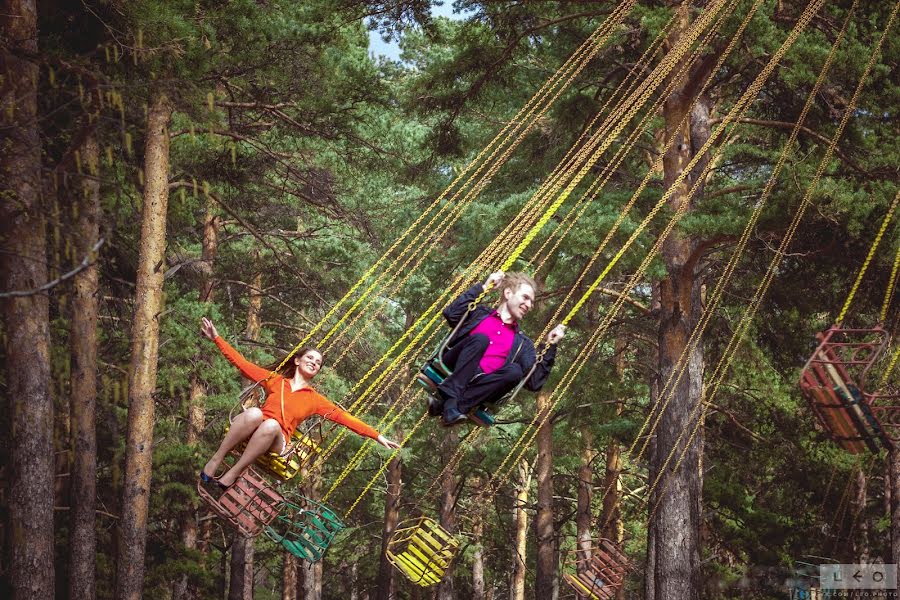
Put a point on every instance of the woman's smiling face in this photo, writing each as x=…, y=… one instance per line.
x=309, y=363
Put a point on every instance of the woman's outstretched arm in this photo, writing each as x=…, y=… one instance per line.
x=247, y=368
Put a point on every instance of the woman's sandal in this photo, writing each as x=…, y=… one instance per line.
x=212, y=482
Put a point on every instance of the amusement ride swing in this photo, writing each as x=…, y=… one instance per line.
x=856, y=412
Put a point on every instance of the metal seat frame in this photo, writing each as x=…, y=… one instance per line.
x=422, y=550
x=596, y=572
x=833, y=381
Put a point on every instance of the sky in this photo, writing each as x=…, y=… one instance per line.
x=391, y=50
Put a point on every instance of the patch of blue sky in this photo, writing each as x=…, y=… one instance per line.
x=391, y=50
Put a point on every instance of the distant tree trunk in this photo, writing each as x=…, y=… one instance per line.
x=240, y=586
x=311, y=573
x=583, y=516
x=478, y=558
x=144, y=353
x=675, y=516
x=859, y=529
x=385, y=589
x=520, y=547
x=894, y=489
x=84, y=384
x=611, y=526
x=195, y=409
x=23, y=267
x=544, y=530
x=446, y=589
x=289, y=576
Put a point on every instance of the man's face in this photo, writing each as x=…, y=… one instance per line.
x=520, y=301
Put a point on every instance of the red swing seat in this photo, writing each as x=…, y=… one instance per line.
x=833, y=381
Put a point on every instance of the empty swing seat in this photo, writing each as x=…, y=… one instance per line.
x=597, y=573
x=422, y=550
x=832, y=381
x=248, y=506
x=305, y=528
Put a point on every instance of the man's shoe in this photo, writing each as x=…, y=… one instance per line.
x=435, y=406
x=453, y=417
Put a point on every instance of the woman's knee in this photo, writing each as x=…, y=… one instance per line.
x=269, y=426
x=253, y=415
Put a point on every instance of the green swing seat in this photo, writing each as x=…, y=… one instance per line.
x=305, y=528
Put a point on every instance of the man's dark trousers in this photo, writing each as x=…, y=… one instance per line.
x=469, y=386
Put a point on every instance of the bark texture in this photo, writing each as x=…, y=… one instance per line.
x=385, y=589
x=196, y=416
x=240, y=586
x=675, y=511
x=144, y=353
x=520, y=546
x=478, y=559
x=894, y=487
x=288, y=576
x=23, y=266
x=84, y=384
x=583, y=532
x=449, y=491
x=544, y=530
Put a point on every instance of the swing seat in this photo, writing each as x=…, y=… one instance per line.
x=305, y=446
x=305, y=529
x=597, y=573
x=248, y=506
x=832, y=381
x=433, y=374
x=422, y=550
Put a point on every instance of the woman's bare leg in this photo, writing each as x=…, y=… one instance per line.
x=266, y=437
x=241, y=428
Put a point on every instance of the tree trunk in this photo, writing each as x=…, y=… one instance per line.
x=196, y=415
x=520, y=518
x=894, y=487
x=83, y=500
x=675, y=513
x=288, y=576
x=385, y=589
x=144, y=353
x=583, y=533
x=859, y=528
x=544, y=530
x=311, y=573
x=611, y=525
x=446, y=589
x=478, y=559
x=23, y=267
x=240, y=586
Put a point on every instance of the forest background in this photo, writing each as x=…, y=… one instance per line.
x=250, y=160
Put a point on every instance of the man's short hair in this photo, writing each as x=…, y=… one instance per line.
x=512, y=281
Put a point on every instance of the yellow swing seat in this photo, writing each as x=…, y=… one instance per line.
x=422, y=550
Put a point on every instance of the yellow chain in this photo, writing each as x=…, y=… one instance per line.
x=738, y=109
x=666, y=392
x=869, y=256
x=892, y=280
x=748, y=316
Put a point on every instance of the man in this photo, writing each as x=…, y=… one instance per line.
x=489, y=355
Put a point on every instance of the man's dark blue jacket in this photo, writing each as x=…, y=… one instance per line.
x=522, y=352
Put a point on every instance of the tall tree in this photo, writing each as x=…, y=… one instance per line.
x=520, y=532
x=144, y=351
x=386, y=586
x=675, y=513
x=449, y=493
x=23, y=268
x=84, y=380
x=545, y=582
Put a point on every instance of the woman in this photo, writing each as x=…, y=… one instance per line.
x=289, y=401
